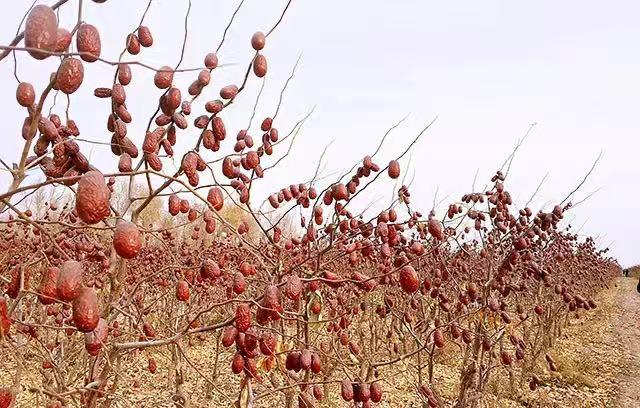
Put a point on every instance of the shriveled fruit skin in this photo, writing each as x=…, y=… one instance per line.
x=409, y=279
x=144, y=36
x=258, y=40
x=294, y=287
x=438, y=338
x=435, y=228
x=88, y=42
x=133, y=44
x=347, y=390
x=229, y=336
x=86, y=313
x=237, y=364
x=41, y=31
x=127, y=240
x=118, y=94
x=266, y=124
x=210, y=269
x=94, y=340
x=211, y=61
x=271, y=302
x=69, y=281
x=292, y=361
x=229, y=92
x=252, y=159
x=174, y=204
x=305, y=359
x=268, y=344
x=227, y=168
x=47, y=292
x=394, y=169
x=376, y=392
x=364, y=393
x=92, y=198
x=215, y=198
x=218, y=129
x=316, y=364
x=124, y=163
x=239, y=283
x=63, y=40
x=70, y=75
x=184, y=206
x=152, y=365
x=505, y=358
x=124, y=74
x=243, y=317
x=20, y=279
x=25, y=94
x=163, y=77
x=318, y=392
x=148, y=330
x=182, y=291
x=260, y=65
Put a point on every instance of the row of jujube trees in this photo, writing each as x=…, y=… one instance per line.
x=334, y=309
x=397, y=298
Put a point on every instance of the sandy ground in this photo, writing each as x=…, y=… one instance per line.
x=598, y=357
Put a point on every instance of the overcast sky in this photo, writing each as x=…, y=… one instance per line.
x=486, y=69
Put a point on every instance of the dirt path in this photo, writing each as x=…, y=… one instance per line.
x=626, y=330
x=599, y=356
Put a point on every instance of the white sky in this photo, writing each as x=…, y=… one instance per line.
x=487, y=69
